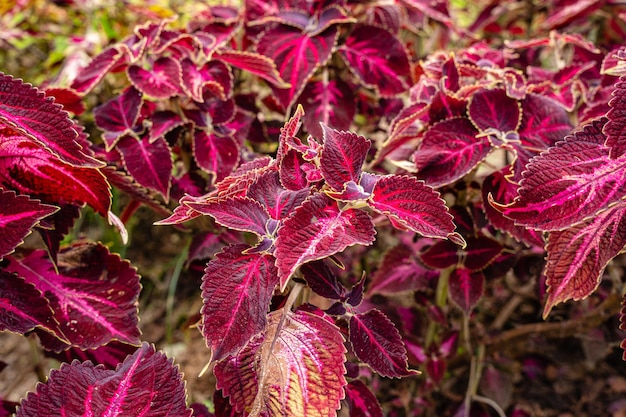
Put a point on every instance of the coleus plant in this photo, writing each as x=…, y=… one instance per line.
x=477, y=124
x=309, y=203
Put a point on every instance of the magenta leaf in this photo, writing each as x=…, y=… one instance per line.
x=361, y=400
x=295, y=368
x=614, y=128
x=254, y=63
x=89, y=76
x=93, y=295
x=414, y=205
x=329, y=102
x=161, y=82
x=449, y=150
x=504, y=191
x=572, y=181
x=239, y=213
x=118, y=116
x=18, y=215
x=23, y=307
x=465, y=288
x=146, y=384
x=291, y=171
x=322, y=280
x=216, y=154
x=27, y=110
x=214, y=76
x=377, y=342
x=150, y=164
x=297, y=55
x=494, y=111
x=400, y=271
x=318, y=229
x=578, y=255
x=236, y=290
x=163, y=122
x=277, y=200
x=544, y=123
x=288, y=131
x=441, y=255
x=30, y=169
x=343, y=154
x=480, y=252
x=378, y=59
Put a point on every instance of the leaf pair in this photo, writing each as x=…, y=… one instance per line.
x=575, y=192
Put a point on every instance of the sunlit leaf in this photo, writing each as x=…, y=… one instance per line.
x=32, y=170
x=294, y=368
x=18, y=215
x=27, y=110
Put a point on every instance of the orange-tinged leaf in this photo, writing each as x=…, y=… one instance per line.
x=295, y=368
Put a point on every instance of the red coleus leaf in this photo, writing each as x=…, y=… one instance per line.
x=236, y=290
x=68, y=98
x=378, y=59
x=544, y=123
x=93, y=294
x=377, y=342
x=288, y=131
x=239, y=213
x=161, y=82
x=118, y=116
x=254, y=63
x=292, y=172
x=449, y=150
x=479, y=252
x=400, y=271
x=296, y=368
x=150, y=164
x=614, y=128
x=343, y=154
x=23, y=307
x=578, y=255
x=297, y=55
x=329, y=102
x=30, y=169
x=27, y=110
x=214, y=153
x=414, y=205
x=89, y=76
x=214, y=76
x=466, y=287
x=316, y=230
x=322, y=280
x=361, y=400
x=164, y=122
x=572, y=181
x=146, y=384
x=277, y=200
x=494, y=111
x=18, y=215
x=504, y=191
